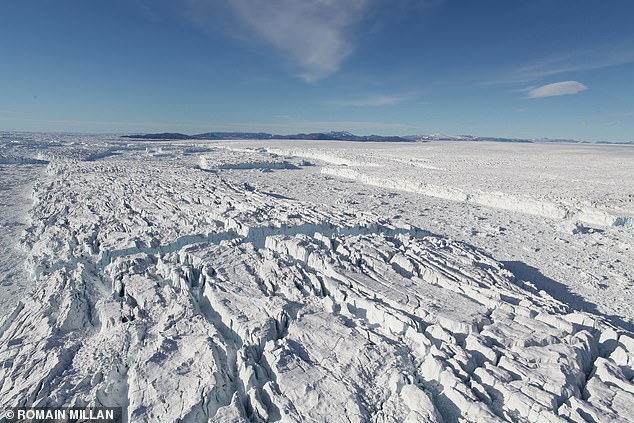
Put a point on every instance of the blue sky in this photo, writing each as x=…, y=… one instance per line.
x=532, y=68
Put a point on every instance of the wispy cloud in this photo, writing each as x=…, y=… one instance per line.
x=557, y=89
x=585, y=60
x=315, y=34
x=370, y=101
x=598, y=57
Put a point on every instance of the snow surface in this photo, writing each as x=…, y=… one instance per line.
x=319, y=281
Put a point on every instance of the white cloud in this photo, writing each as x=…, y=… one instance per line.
x=372, y=101
x=556, y=89
x=315, y=34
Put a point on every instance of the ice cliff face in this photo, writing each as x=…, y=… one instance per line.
x=165, y=289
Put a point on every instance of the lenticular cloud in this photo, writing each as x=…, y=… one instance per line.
x=557, y=89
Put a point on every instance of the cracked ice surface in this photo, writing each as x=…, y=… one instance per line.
x=182, y=295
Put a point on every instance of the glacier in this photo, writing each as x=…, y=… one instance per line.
x=306, y=281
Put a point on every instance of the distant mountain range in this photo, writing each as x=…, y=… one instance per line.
x=345, y=136
x=331, y=136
